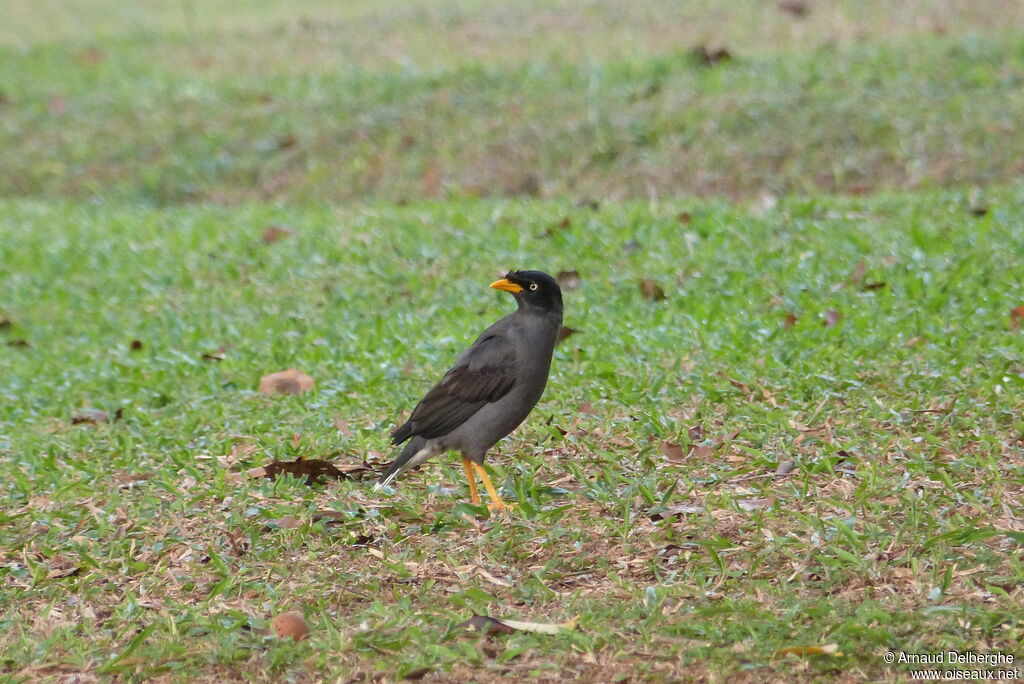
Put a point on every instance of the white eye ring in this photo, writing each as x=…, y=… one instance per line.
x=533, y=286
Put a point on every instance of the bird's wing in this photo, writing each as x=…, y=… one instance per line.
x=483, y=374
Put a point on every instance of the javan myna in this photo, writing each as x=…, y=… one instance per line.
x=492, y=387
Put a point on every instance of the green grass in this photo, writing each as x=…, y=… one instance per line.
x=354, y=104
x=899, y=528
x=834, y=216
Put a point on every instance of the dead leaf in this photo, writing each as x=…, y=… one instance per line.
x=797, y=8
x=586, y=407
x=489, y=625
x=784, y=468
x=564, y=333
x=684, y=217
x=485, y=625
x=543, y=627
x=710, y=55
x=651, y=290
x=314, y=469
x=1016, y=315
x=126, y=479
x=342, y=426
x=857, y=277
x=93, y=417
x=218, y=355
x=418, y=673
x=741, y=386
x=914, y=341
x=288, y=381
x=701, y=453
x=64, y=573
x=672, y=451
x=790, y=320
x=288, y=522
x=697, y=433
x=240, y=452
x=673, y=512
x=827, y=649
x=831, y=318
x=568, y=280
x=275, y=234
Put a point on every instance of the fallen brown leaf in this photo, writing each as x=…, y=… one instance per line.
x=790, y=320
x=831, y=318
x=1016, y=315
x=569, y=280
x=288, y=381
x=564, y=333
x=673, y=512
x=417, y=674
x=651, y=290
x=275, y=234
x=797, y=8
x=94, y=417
x=314, y=469
x=672, y=451
x=710, y=55
x=485, y=625
x=857, y=276
x=288, y=522
x=218, y=355
x=784, y=468
x=701, y=453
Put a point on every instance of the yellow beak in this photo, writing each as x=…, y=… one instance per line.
x=506, y=285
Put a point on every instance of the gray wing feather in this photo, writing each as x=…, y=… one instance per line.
x=483, y=374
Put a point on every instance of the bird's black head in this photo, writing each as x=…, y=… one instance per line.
x=532, y=289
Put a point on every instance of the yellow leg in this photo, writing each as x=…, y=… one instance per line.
x=474, y=495
x=496, y=503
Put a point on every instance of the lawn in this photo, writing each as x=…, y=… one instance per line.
x=786, y=439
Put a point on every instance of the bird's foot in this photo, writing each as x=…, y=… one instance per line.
x=501, y=507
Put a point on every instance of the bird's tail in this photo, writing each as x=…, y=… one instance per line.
x=416, y=451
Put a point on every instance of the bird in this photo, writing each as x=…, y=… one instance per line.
x=490, y=390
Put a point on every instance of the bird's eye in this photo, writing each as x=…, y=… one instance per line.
x=533, y=286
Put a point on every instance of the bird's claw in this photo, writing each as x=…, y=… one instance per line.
x=501, y=507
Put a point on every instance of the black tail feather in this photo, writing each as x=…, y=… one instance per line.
x=398, y=465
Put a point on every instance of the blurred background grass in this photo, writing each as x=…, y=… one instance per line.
x=163, y=103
